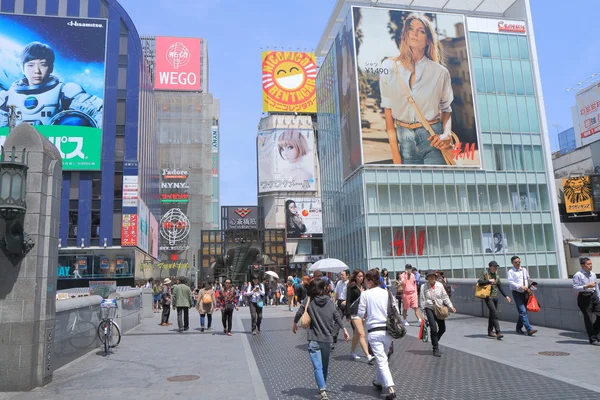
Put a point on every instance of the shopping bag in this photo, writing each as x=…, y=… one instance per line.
x=483, y=292
x=532, y=304
x=421, y=329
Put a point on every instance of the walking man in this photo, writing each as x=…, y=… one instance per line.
x=584, y=282
x=166, y=303
x=518, y=281
x=340, y=302
x=409, y=294
x=182, y=301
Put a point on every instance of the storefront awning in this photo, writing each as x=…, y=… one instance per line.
x=585, y=244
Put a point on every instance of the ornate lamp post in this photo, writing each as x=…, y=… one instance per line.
x=13, y=183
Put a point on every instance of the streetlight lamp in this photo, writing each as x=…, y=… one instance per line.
x=13, y=184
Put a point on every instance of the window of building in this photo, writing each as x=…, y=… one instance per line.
x=513, y=44
x=73, y=8
x=523, y=47
x=484, y=42
x=488, y=75
x=475, y=47
x=73, y=220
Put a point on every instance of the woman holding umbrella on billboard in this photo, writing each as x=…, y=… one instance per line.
x=416, y=95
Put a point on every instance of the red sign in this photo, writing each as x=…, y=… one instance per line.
x=129, y=230
x=511, y=27
x=177, y=64
x=243, y=212
x=407, y=243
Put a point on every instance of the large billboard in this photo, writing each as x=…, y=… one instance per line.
x=289, y=82
x=303, y=218
x=588, y=109
x=415, y=91
x=177, y=64
x=578, y=194
x=52, y=72
x=286, y=160
x=174, y=226
x=239, y=218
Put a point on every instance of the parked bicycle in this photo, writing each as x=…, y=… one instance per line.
x=109, y=332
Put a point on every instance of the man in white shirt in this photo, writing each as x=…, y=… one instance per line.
x=340, y=302
x=518, y=281
x=586, y=286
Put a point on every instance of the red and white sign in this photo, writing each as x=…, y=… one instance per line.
x=129, y=230
x=515, y=27
x=490, y=25
x=588, y=105
x=130, y=191
x=177, y=64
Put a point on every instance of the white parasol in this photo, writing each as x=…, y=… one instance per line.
x=332, y=265
x=273, y=274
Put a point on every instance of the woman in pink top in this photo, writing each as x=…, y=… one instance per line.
x=409, y=294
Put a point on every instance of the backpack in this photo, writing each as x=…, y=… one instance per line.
x=394, y=326
x=290, y=290
x=206, y=298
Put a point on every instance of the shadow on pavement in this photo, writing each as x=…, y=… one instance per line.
x=574, y=335
x=420, y=352
x=584, y=342
x=362, y=390
x=301, y=392
x=480, y=336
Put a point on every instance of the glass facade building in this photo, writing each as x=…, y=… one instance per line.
x=442, y=219
x=566, y=141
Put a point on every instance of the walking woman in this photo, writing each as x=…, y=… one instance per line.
x=385, y=277
x=353, y=292
x=434, y=296
x=290, y=292
x=373, y=307
x=323, y=316
x=227, y=302
x=256, y=294
x=399, y=290
x=417, y=70
x=206, y=305
x=491, y=277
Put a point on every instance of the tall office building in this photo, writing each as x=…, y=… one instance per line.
x=389, y=197
x=187, y=120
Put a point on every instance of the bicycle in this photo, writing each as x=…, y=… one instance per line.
x=108, y=327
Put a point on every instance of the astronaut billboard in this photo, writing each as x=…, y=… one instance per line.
x=52, y=76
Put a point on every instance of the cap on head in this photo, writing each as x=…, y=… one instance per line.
x=167, y=281
x=430, y=273
x=493, y=264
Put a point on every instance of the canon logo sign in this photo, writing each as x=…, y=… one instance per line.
x=511, y=27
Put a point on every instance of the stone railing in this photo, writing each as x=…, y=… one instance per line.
x=558, y=303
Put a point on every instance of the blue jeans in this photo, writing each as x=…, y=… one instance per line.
x=521, y=303
x=319, y=355
x=415, y=146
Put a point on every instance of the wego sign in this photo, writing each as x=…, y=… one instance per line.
x=177, y=64
x=511, y=27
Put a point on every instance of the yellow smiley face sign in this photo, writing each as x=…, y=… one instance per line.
x=289, y=82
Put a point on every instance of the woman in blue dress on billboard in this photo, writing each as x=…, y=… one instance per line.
x=418, y=73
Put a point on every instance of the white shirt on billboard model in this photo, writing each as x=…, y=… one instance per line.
x=432, y=90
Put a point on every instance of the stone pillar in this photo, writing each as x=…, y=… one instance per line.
x=28, y=290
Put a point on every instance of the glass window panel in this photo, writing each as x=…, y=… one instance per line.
x=386, y=242
x=504, y=48
x=488, y=75
x=463, y=198
x=467, y=240
x=395, y=198
x=523, y=119
x=470, y=273
x=513, y=44
x=432, y=247
x=518, y=75
x=485, y=44
x=515, y=200
x=498, y=75
x=532, y=112
x=494, y=118
x=505, y=200
x=518, y=157
x=438, y=202
x=418, y=197
x=513, y=111
x=484, y=202
x=549, y=235
x=508, y=157
x=533, y=198
x=407, y=201
x=374, y=242
x=484, y=118
x=523, y=47
x=430, y=203
x=472, y=193
x=528, y=158
x=499, y=157
x=494, y=198
x=474, y=42
x=455, y=242
x=553, y=269
x=494, y=46
x=529, y=238
x=527, y=78
x=509, y=82
x=509, y=239
x=451, y=198
x=538, y=158
x=503, y=114
x=544, y=200
x=384, y=198
x=489, y=157
x=372, y=198
x=540, y=243
x=444, y=240
x=533, y=271
x=544, y=273
x=479, y=78
x=518, y=246
x=476, y=234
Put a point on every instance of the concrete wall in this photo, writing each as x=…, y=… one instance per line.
x=557, y=300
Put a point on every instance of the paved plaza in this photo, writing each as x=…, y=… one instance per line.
x=275, y=365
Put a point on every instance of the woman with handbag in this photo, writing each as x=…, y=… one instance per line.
x=416, y=96
x=490, y=281
x=256, y=295
x=206, y=305
x=319, y=315
x=353, y=292
x=435, y=303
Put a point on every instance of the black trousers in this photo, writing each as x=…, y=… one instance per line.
x=589, y=304
x=183, y=317
x=166, y=313
x=256, y=314
x=492, y=304
x=336, y=328
x=227, y=319
x=437, y=327
x=399, y=300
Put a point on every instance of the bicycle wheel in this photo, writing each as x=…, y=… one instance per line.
x=116, y=333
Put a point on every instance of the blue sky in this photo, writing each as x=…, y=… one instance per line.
x=236, y=30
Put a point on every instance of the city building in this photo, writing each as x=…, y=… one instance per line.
x=566, y=141
x=188, y=136
x=114, y=107
x=490, y=195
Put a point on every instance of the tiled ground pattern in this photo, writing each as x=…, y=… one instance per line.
x=287, y=372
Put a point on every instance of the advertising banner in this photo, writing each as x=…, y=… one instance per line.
x=286, y=160
x=494, y=243
x=153, y=237
x=239, y=218
x=438, y=128
x=129, y=230
x=52, y=71
x=177, y=64
x=130, y=186
x=303, y=218
x=143, y=226
x=174, y=226
x=588, y=106
x=82, y=262
x=104, y=262
x=120, y=262
x=578, y=194
x=289, y=82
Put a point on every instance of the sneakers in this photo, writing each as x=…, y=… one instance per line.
x=405, y=323
x=436, y=353
x=499, y=335
x=202, y=329
x=229, y=334
x=371, y=359
x=254, y=332
x=323, y=395
x=378, y=385
x=531, y=332
x=390, y=396
x=492, y=334
x=354, y=356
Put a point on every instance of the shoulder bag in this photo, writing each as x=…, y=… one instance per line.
x=483, y=291
x=441, y=312
x=447, y=153
x=393, y=325
x=305, y=318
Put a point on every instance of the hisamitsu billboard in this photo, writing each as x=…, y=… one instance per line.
x=177, y=64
